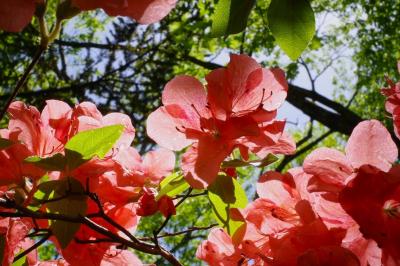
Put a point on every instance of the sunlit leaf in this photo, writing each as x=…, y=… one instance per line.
x=292, y=23
x=22, y=261
x=269, y=159
x=55, y=163
x=224, y=194
x=87, y=144
x=172, y=185
x=230, y=17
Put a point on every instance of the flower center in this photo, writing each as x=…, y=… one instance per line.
x=392, y=208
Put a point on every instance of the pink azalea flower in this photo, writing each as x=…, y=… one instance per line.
x=219, y=249
x=327, y=207
x=45, y=134
x=392, y=104
x=16, y=14
x=372, y=199
x=238, y=110
x=125, y=181
x=102, y=253
x=280, y=228
x=12, y=167
x=144, y=11
x=15, y=230
x=369, y=144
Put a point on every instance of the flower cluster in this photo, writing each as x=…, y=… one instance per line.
x=17, y=14
x=236, y=109
x=120, y=181
x=392, y=104
x=337, y=210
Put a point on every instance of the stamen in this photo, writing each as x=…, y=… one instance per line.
x=392, y=208
x=180, y=130
x=195, y=109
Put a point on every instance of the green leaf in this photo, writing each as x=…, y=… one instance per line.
x=230, y=17
x=5, y=143
x=256, y=163
x=22, y=261
x=55, y=163
x=72, y=202
x=87, y=144
x=45, y=191
x=172, y=185
x=292, y=23
x=224, y=194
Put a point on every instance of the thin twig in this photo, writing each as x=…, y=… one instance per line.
x=191, y=229
x=102, y=214
x=289, y=158
x=156, y=232
x=22, y=80
x=33, y=247
x=191, y=196
x=93, y=241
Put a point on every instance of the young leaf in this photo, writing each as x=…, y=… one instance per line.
x=72, y=202
x=5, y=143
x=172, y=185
x=224, y=194
x=87, y=144
x=256, y=163
x=230, y=17
x=22, y=261
x=292, y=23
x=55, y=163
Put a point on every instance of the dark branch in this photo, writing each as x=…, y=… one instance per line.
x=39, y=215
x=33, y=247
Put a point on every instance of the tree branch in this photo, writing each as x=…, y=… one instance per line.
x=39, y=215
